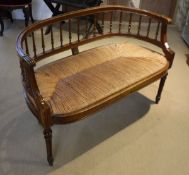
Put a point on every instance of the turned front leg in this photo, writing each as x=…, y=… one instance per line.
x=161, y=85
x=48, y=139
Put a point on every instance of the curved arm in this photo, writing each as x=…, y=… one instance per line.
x=31, y=62
x=35, y=101
x=169, y=53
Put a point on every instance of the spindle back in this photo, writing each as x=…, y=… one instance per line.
x=71, y=30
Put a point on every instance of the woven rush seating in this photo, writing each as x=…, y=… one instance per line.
x=81, y=82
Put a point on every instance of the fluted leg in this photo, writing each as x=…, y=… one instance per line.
x=48, y=139
x=161, y=85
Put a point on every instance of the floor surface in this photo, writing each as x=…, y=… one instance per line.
x=133, y=136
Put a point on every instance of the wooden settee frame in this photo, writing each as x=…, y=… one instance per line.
x=30, y=54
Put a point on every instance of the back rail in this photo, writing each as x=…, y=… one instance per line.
x=93, y=24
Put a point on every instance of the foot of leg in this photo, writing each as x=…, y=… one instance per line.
x=161, y=85
x=48, y=29
x=48, y=139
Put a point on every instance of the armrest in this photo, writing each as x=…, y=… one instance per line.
x=169, y=53
x=32, y=94
x=20, y=51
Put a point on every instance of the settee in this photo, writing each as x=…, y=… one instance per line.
x=73, y=87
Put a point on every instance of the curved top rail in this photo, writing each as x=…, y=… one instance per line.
x=86, y=12
x=94, y=10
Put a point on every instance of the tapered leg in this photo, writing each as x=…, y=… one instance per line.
x=48, y=139
x=30, y=12
x=26, y=15
x=10, y=15
x=2, y=27
x=99, y=28
x=48, y=29
x=88, y=30
x=161, y=85
x=55, y=11
x=75, y=51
